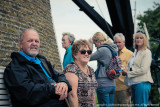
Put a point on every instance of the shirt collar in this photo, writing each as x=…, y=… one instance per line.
x=34, y=60
x=69, y=48
x=123, y=49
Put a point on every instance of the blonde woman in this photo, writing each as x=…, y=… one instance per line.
x=81, y=76
x=138, y=74
x=103, y=55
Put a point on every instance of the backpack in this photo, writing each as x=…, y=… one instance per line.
x=114, y=68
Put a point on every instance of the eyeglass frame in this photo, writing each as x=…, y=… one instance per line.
x=89, y=52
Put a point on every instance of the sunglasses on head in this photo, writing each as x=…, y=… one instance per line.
x=84, y=52
x=141, y=31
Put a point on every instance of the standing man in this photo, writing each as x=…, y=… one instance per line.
x=30, y=79
x=122, y=95
x=67, y=41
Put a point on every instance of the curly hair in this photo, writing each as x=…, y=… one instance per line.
x=70, y=37
x=77, y=45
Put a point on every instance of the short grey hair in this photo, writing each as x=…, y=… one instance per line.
x=70, y=37
x=119, y=35
x=23, y=32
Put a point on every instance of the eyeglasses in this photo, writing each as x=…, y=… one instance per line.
x=139, y=37
x=141, y=31
x=84, y=52
x=117, y=42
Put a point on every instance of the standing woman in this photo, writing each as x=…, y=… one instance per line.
x=81, y=76
x=67, y=41
x=103, y=55
x=138, y=71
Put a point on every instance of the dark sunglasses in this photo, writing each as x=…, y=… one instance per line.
x=84, y=52
x=141, y=31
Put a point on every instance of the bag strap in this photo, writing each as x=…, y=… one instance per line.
x=102, y=63
x=111, y=51
x=97, y=71
x=46, y=66
x=113, y=55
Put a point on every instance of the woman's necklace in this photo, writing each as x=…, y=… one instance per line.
x=85, y=69
x=88, y=73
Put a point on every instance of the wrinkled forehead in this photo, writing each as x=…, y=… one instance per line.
x=65, y=37
x=31, y=34
x=119, y=39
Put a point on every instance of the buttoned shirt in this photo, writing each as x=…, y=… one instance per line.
x=125, y=56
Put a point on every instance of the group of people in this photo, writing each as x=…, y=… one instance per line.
x=32, y=81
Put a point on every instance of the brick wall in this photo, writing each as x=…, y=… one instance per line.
x=16, y=15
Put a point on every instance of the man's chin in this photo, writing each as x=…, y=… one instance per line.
x=33, y=54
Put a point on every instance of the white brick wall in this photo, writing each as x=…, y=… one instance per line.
x=2, y=69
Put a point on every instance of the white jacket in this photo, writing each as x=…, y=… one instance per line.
x=140, y=68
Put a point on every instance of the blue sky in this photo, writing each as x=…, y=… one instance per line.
x=67, y=18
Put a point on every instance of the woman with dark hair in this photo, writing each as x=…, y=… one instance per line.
x=81, y=76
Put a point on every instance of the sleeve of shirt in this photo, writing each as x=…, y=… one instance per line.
x=102, y=55
x=72, y=68
x=96, y=55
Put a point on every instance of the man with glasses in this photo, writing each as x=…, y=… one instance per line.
x=122, y=95
x=67, y=41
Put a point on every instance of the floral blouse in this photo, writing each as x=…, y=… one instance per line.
x=86, y=85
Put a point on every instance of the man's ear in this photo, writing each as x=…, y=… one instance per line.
x=20, y=43
x=70, y=43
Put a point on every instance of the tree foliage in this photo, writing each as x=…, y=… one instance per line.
x=152, y=20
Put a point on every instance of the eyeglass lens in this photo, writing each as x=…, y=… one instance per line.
x=117, y=42
x=84, y=52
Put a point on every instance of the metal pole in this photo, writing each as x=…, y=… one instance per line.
x=135, y=25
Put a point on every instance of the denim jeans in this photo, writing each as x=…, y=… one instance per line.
x=105, y=96
x=140, y=94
